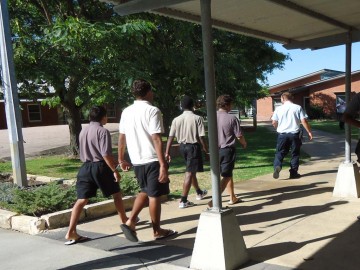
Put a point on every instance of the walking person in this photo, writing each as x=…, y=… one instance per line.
x=99, y=170
x=350, y=116
x=140, y=130
x=229, y=131
x=189, y=130
x=287, y=119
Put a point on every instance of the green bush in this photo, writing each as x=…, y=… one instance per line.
x=129, y=185
x=316, y=112
x=52, y=197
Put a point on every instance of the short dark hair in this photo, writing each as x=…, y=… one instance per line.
x=97, y=113
x=223, y=101
x=187, y=103
x=140, y=88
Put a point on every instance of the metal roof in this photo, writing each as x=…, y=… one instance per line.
x=295, y=23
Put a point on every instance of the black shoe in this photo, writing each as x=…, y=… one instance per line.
x=295, y=176
x=276, y=172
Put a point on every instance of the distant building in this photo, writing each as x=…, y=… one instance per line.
x=34, y=114
x=323, y=89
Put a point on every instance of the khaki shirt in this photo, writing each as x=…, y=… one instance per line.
x=187, y=127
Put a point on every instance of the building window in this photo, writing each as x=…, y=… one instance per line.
x=34, y=112
x=276, y=103
x=111, y=110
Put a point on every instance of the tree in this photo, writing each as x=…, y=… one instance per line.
x=175, y=64
x=79, y=53
x=74, y=52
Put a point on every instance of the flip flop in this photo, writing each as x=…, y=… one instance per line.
x=168, y=234
x=129, y=233
x=81, y=239
x=238, y=200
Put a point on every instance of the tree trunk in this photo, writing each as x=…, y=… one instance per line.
x=73, y=118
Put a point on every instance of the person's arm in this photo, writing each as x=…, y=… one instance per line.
x=111, y=162
x=348, y=119
x=275, y=124
x=168, y=145
x=124, y=165
x=163, y=175
x=204, y=144
x=306, y=125
x=242, y=141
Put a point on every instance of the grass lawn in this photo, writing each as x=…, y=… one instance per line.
x=332, y=126
x=254, y=161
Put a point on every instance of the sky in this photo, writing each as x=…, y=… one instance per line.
x=307, y=61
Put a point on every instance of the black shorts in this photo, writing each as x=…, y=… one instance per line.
x=227, y=161
x=191, y=153
x=94, y=175
x=148, y=178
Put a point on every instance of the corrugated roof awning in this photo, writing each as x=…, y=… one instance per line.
x=300, y=24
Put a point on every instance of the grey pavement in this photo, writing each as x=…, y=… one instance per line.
x=286, y=224
x=41, y=140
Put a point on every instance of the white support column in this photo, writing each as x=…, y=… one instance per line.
x=347, y=180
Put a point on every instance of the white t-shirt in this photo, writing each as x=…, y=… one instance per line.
x=288, y=116
x=138, y=122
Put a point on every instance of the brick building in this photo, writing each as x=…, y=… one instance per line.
x=323, y=89
x=34, y=114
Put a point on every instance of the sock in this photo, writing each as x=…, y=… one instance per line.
x=183, y=199
x=199, y=191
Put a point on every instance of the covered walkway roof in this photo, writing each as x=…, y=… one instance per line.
x=300, y=24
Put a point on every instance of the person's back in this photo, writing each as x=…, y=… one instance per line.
x=94, y=142
x=289, y=117
x=137, y=123
x=189, y=130
x=286, y=119
x=228, y=129
x=188, y=127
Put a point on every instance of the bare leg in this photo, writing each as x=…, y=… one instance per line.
x=140, y=202
x=187, y=184
x=119, y=205
x=223, y=183
x=194, y=181
x=230, y=189
x=75, y=215
x=155, y=213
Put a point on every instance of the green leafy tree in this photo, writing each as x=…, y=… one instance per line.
x=76, y=53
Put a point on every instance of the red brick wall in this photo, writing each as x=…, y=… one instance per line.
x=264, y=109
x=324, y=95
x=49, y=116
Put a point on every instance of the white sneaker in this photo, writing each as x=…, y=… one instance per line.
x=202, y=195
x=186, y=204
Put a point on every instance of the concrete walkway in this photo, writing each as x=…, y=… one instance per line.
x=41, y=140
x=286, y=224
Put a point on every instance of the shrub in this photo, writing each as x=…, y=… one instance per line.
x=52, y=197
x=316, y=112
x=129, y=185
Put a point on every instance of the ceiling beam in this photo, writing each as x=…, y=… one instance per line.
x=136, y=6
x=313, y=14
x=324, y=42
x=221, y=25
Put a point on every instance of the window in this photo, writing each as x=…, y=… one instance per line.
x=34, y=112
x=111, y=110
